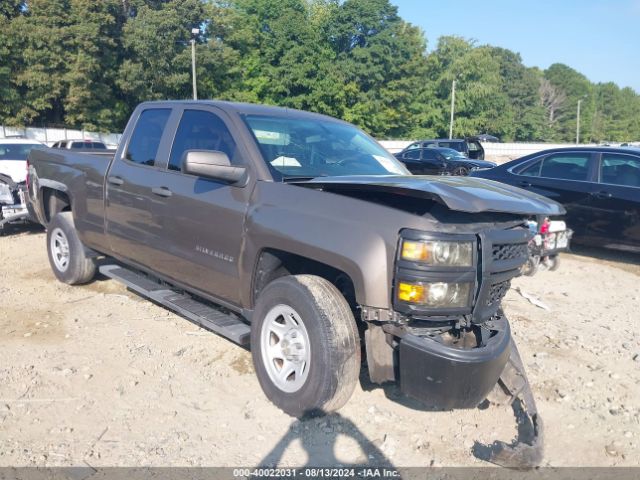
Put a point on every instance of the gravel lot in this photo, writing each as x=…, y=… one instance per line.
x=96, y=375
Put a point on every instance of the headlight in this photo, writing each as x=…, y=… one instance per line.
x=438, y=253
x=435, y=294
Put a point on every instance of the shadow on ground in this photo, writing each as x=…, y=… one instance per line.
x=318, y=437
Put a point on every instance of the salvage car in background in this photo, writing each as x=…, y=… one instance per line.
x=80, y=145
x=470, y=147
x=13, y=175
x=599, y=187
x=439, y=161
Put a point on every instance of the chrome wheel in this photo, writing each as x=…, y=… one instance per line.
x=60, y=249
x=286, y=350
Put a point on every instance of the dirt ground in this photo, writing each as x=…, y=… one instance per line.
x=96, y=375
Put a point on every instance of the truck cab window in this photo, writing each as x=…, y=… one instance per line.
x=145, y=139
x=200, y=130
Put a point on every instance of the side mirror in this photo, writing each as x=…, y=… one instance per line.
x=211, y=164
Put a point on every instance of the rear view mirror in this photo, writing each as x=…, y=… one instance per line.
x=211, y=164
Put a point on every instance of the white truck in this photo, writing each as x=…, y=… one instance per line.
x=13, y=176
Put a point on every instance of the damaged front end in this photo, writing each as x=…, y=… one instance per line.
x=13, y=206
x=448, y=342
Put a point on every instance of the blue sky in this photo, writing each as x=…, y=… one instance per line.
x=599, y=38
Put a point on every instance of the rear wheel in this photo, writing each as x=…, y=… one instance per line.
x=67, y=255
x=305, y=345
x=531, y=267
x=554, y=263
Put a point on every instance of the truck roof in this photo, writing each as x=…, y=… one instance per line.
x=241, y=108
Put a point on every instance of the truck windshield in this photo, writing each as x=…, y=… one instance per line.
x=296, y=147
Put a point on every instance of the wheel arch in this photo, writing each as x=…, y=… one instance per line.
x=273, y=263
x=54, y=201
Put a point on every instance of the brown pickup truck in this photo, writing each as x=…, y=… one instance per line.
x=300, y=236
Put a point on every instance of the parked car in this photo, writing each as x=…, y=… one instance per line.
x=599, y=187
x=292, y=232
x=485, y=137
x=13, y=174
x=470, y=147
x=80, y=145
x=439, y=161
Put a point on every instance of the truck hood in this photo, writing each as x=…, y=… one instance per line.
x=463, y=194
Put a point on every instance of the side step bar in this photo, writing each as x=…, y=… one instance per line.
x=226, y=324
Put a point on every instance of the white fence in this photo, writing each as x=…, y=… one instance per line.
x=52, y=135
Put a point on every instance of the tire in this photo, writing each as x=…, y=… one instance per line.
x=67, y=254
x=461, y=171
x=554, y=263
x=307, y=311
x=531, y=267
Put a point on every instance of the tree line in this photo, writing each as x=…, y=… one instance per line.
x=87, y=64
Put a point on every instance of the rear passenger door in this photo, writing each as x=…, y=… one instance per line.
x=616, y=200
x=432, y=162
x=203, y=219
x=567, y=178
x=133, y=207
x=411, y=159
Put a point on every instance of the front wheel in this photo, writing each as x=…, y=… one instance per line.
x=305, y=345
x=67, y=255
x=461, y=171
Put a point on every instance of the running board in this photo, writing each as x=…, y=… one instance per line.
x=226, y=324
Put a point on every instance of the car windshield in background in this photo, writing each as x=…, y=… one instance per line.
x=16, y=151
x=295, y=147
x=451, y=154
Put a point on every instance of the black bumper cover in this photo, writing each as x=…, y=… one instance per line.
x=446, y=377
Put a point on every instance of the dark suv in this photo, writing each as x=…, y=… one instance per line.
x=470, y=147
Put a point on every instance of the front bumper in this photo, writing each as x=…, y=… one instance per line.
x=448, y=377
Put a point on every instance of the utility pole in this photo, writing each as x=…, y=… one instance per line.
x=578, y=123
x=453, y=104
x=194, y=32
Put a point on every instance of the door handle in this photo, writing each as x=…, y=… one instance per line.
x=601, y=195
x=162, y=191
x=114, y=180
x=525, y=184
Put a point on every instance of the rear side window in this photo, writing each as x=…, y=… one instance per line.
x=459, y=146
x=566, y=166
x=473, y=146
x=532, y=170
x=78, y=145
x=616, y=169
x=412, y=155
x=200, y=130
x=145, y=140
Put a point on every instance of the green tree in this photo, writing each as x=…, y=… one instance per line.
x=9, y=61
x=576, y=87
